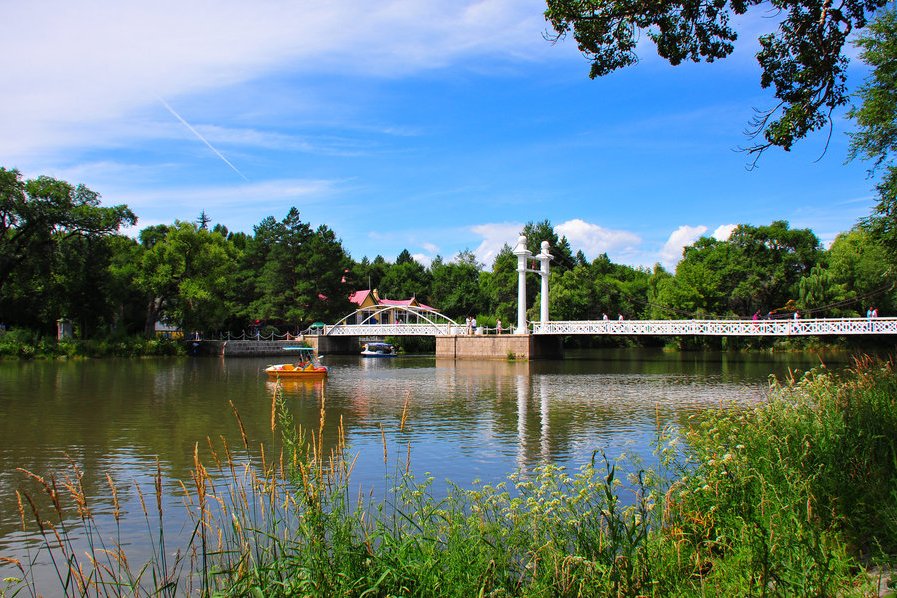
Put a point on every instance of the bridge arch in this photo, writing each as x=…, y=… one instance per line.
x=394, y=320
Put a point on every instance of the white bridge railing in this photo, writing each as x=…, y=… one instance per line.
x=422, y=329
x=790, y=327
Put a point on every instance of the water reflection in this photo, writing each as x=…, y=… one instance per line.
x=463, y=420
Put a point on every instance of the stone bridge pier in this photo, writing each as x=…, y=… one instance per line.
x=500, y=346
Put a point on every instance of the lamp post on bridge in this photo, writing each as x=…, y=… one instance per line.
x=523, y=254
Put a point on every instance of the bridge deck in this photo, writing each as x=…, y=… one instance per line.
x=808, y=327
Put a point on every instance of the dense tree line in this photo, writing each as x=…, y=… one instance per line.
x=62, y=255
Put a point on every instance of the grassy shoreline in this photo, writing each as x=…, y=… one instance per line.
x=23, y=344
x=796, y=496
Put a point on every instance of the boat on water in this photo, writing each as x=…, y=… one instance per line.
x=306, y=367
x=378, y=350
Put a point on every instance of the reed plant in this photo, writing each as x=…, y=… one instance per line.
x=795, y=496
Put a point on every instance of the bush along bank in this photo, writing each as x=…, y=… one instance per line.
x=24, y=344
x=795, y=496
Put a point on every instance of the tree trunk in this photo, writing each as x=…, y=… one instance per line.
x=152, y=314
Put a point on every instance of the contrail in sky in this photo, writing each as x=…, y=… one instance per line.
x=201, y=138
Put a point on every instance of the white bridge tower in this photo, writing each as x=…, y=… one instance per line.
x=523, y=255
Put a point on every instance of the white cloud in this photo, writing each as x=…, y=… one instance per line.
x=495, y=236
x=685, y=235
x=423, y=260
x=724, y=231
x=84, y=64
x=236, y=206
x=594, y=240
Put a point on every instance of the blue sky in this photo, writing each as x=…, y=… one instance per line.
x=429, y=126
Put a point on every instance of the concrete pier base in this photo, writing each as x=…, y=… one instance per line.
x=476, y=346
x=322, y=345
x=247, y=348
x=509, y=346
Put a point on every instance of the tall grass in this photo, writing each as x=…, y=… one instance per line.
x=25, y=344
x=793, y=497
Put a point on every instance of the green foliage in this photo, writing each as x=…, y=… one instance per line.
x=27, y=344
x=787, y=494
x=757, y=268
x=791, y=497
x=404, y=280
x=559, y=247
x=876, y=135
x=185, y=274
x=287, y=275
x=455, y=286
x=499, y=286
x=571, y=295
x=53, y=251
x=803, y=61
x=820, y=295
x=861, y=265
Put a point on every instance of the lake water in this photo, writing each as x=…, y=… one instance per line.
x=464, y=420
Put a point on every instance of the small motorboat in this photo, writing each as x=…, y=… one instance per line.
x=305, y=367
x=378, y=350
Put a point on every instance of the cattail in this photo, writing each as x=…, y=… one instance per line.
x=158, y=486
x=21, y=509
x=408, y=459
x=213, y=453
x=116, y=507
x=240, y=423
x=140, y=498
x=404, y=412
x=274, y=405
x=34, y=511
x=15, y=562
x=383, y=439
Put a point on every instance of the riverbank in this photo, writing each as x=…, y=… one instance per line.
x=795, y=496
x=23, y=344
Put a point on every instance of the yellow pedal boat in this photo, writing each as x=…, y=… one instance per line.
x=305, y=367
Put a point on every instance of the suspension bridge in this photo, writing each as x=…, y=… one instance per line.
x=543, y=338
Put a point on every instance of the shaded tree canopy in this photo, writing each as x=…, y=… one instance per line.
x=38, y=210
x=803, y=60
x=876, y=118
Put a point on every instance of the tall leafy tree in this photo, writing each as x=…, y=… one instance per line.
x=618, y=289
x=405, y=279
x=864, y=268
x=559, y=247
x=803, y=60
x=500, y=286
x=767, y=262
x=455, y=287
x=185, y=275
x=820, y=296
x=299, y=272
x=572, y=295
x=757, y=268
x=367, y=274
x=876, y=118
x=37, y=218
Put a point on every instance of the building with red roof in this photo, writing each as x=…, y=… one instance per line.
x=371, y=304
